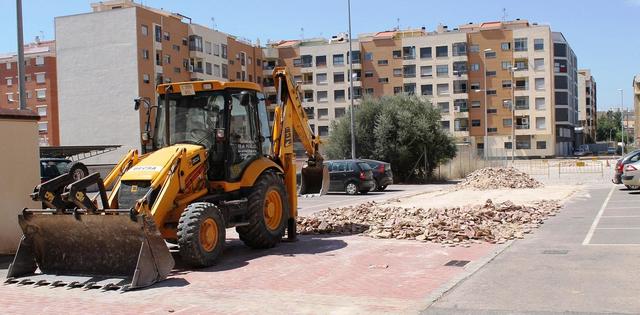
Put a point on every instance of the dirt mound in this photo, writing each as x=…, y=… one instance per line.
x=497, y=177
x=489, y=222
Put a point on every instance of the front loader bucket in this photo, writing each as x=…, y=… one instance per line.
x=314, y=179
x=110, y=250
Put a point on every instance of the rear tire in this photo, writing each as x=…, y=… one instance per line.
x=78, y=171
x=269, y=212
x=201, y=234
x=351, y=188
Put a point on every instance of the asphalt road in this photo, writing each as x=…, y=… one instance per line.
x=309, y=205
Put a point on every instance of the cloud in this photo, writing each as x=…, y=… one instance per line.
x=635, y=3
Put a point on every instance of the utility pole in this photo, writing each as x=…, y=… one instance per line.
x=486, y=104
x=351, y=77
x=622, y=118
x=22, y=96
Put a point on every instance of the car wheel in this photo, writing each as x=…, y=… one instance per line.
x=632, y=187
x=351, y=188
x=381, y=188
x=375, y=186
x=78, y=171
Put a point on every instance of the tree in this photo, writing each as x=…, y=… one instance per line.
x=399, y=129
x=609, y=126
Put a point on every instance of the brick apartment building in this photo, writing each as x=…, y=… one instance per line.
x=587, y=110
x=636, y=106
x=491, y=81
x=465, y=72
x=120, y=51
x=40, y=86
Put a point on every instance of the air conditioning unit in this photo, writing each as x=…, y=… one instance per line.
x=525, y=121
x=456, y=108
x=190, y=68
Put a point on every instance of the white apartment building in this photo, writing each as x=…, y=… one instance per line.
x=566, y=94
x=587, y=106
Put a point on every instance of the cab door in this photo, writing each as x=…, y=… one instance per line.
x=244, y=143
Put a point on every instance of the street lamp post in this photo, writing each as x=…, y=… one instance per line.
x=622, y=118
x=21, y=68
x=353, y=133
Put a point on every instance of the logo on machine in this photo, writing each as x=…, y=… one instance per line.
x=287, y=136
x=146, y=168
x=195, y=160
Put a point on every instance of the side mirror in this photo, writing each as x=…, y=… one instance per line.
x=145, y=136
x=136, y=104
x=245, y=98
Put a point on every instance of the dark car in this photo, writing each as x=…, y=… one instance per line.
x=381, y=173
x=350, y=176
x=632, y=157
x=53, y=167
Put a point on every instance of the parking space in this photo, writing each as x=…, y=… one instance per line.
x=618, y=221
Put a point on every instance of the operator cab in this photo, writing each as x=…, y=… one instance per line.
x=229, y=119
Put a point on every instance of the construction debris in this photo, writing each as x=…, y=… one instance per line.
x=497, y=177
x=494, y=223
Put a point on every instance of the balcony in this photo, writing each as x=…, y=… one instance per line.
x=522, y=126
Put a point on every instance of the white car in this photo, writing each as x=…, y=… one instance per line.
x=631, y=175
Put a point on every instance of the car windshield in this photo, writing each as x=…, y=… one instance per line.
x=193, y=119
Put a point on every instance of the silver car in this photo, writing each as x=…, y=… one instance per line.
x=631, y=175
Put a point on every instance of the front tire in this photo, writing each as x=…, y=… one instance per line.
x=268, y=213
x=78, y=171
x=201, y=234
x=351, y=188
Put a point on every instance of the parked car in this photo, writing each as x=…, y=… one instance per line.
x=631, y=175
x=632, y=157
x=381, y=173
x=611, y=151
x=350, y=176
x=53, y=167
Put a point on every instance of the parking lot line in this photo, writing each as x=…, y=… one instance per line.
x=619, y=228
x=587, y=239
x=620, y=216
x=614, y=207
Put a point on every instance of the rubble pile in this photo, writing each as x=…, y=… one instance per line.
x=497, y=177
x=490, y=222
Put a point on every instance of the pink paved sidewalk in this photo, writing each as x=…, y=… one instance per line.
x=318, y=274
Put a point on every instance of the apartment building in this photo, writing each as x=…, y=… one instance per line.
x=121, y=51
x=587, y=106
x=491, y=81
x=636, y=105
x=40, y=86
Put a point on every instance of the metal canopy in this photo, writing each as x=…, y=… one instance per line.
x=76, y=152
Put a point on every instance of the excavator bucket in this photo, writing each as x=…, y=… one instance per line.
x=112, y=250
x=314, y=179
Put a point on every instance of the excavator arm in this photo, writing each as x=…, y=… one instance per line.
x=290, y=117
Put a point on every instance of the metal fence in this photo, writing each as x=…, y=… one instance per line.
x=469, y=159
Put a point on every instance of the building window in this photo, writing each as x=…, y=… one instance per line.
x=321, y=61
x=489, y=54
x=443, y=89
x=490, y=130
x=523, y=142
x=540, y=103
x=321, y=78
x=323, y=113
x=43, y=126
x=39, y=60
x=40, y=77
x=216, y=49
x=175, y=47
x=507, y=122
x=539, y=84
x=383, y=80
x=368, y=74
x=338, y=60
x=425, y=53
x=145, y=78
x=507, y=103
x=339, y=112
x=397, y=54
x=442, y=51
x=538, y=44
x=225, y=71
x=445, y=125
x=508, y=145
x=444, y=107
x=475, y=123
x=144, y=30
x=338, y=77
x=426, y=71
x=223, y=50
x=323, y=131
x=475, y=104
x=522, y=102
x=323, y=96
x=538, y=64
x=442, y=70
x=368, y=91
x=459, y=68
x=145, y=54
x=8, y=65
x=195, y=43
x=9, y=97
x=506, y=84
x=520, y=44
x=42, y=110
x=541, y=123
x=490, y=73
x=506, y=65
x=475, y=86
x=426, y=89
x=505, y=46
x=410, y=88
x=492, y=110
x=474, y=48
x=216, y=70
x=368, y=56
x=208, y=68
x=541, y=145
x=9, y=81
x=41, y=94
x=338, y=95
x=459, y=86
x=207, y=48
x=475, y=67
x=383, y=62
x=158, y=33
x=491, y=92
x=459, y=49
x=167, y=59
x=409, y=71
x=559, y=49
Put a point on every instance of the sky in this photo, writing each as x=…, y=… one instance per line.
x=604, y=34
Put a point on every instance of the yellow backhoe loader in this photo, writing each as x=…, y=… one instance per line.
x=213, y=164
